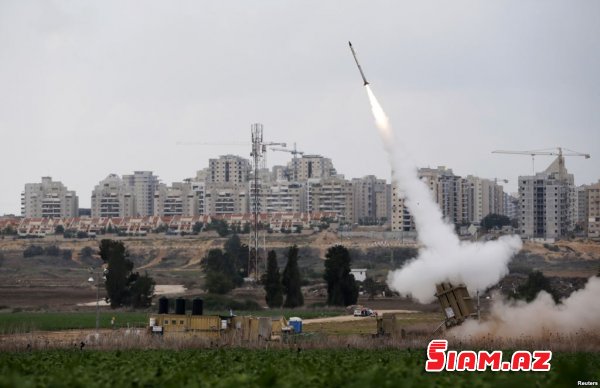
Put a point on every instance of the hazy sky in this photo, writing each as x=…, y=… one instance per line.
x=89, y=88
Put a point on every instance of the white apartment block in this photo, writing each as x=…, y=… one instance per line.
x=283, y=197
x=228, y=169
x=544, y=202
x=486, y=197
x=578, y=207
x=142, y=184
x=226, y=198
x=401, y=221
x=311, y=167
x=199, y=189
x=112, y=197
x=332, y=194
x=177, y=200
x=593, y=212
x=370, y=200
x=511, y=206
x=48, y=199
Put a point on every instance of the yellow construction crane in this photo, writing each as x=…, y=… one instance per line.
x=547, y=151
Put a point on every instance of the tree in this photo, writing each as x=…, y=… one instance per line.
x=536, y=282
x=238, y=253
x=59, y=229
x=197, y=228
x=141, y=291
x=114, y=254
x=291, y=280
x=272, y=282
x=495, y=220
x=370, y=286
x=220, y=226
x=342, y=289
x=220, y=272
x=123, y=286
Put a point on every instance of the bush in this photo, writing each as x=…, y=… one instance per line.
x=33, y=250
x=220, y=303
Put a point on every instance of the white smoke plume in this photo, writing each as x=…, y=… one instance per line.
x=443, y=257
x=579, y=313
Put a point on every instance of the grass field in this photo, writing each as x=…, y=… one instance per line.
x=272, y=368
x=22, y=322
x=29, y=321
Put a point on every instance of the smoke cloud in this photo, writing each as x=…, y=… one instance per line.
x=578, y=313
x=443, y=256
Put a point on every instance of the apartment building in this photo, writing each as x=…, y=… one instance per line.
x=283, y=197
x=544, y=202
x=578, y=207
x=311, y=167
x=333, y=194
x=485, y=197
x=593, y=212
x=143, y=185
x=179, y=199
x=228, y=169
x=49, y=199
x=401, y=219
x=370, y=200
x=112, y=197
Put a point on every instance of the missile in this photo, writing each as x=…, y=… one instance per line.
x=358, y=64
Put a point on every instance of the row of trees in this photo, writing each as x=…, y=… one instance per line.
x=342, y=289
x=226, y=268
x=289, y=283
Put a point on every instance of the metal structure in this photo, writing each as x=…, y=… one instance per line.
x=546, y=151
x=97, y=274
x=295, y=154
x=456, y=303
x=258, y=155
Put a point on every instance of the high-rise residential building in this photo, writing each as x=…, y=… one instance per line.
x=461, y=200
x=593, y=210
x=226, y=188
x=178, y=199
x=199, y=188
x=48, y=199
x=370, y=200
x=142, y=184
x=231, y=198
x=486, y=197
x=511, y=206
x=283, y=196
x=578, y=207
x=311, y=167
x=544, y=202
x=332, y=194
x=402, y=221
x=112, y=197
x=228, y=169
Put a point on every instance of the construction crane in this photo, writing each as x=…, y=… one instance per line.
x=294, y=152
x=547, y=151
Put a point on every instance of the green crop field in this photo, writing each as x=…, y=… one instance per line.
x=268, y=368
x=27, y=321
x=22, y=322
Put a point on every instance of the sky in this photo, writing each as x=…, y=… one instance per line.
x=89, y=88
